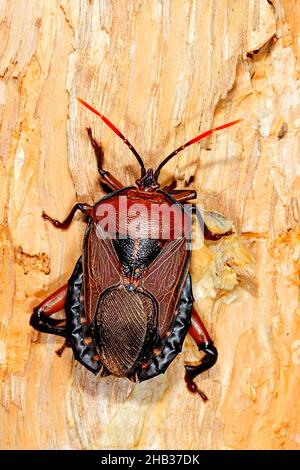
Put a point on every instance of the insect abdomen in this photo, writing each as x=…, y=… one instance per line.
x=125, y=323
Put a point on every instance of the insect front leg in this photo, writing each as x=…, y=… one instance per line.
x=204, y=342
x=169, y=187
x=84, y=208
x=54, y=303
x=208, y=235
x=183, y=195
x=106, y=177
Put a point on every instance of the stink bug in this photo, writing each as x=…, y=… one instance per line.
x=129, y=302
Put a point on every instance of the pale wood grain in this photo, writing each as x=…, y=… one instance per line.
x=162, y=71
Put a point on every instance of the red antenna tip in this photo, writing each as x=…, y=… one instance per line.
x=88, y=106
x=227, y=125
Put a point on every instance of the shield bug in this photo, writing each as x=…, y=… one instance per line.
x=129, y=303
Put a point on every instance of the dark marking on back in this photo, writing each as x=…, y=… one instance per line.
x=136, y=255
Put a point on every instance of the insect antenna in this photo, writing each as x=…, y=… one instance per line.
x=190, y=142
x=116, y=131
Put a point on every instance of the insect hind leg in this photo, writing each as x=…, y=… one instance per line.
x=73, y=328
x=205, y=344
x=40, y=318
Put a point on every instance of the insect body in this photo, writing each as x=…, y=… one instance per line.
x=129, y=301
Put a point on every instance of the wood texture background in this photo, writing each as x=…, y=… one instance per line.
x=161, y=70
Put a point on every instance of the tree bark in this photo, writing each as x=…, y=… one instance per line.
x=162, y=71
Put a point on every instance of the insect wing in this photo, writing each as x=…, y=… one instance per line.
x=102, y=267
x=164, y=279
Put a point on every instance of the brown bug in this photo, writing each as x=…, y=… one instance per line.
x=129, y=301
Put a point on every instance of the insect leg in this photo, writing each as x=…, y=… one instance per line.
x=170, y=186
x=54, y=303
x=204, y=342
x=84, y=208
x=106, y=177
x=182, y=195
x=208, y=235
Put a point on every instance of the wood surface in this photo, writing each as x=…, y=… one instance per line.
x=163, y=71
